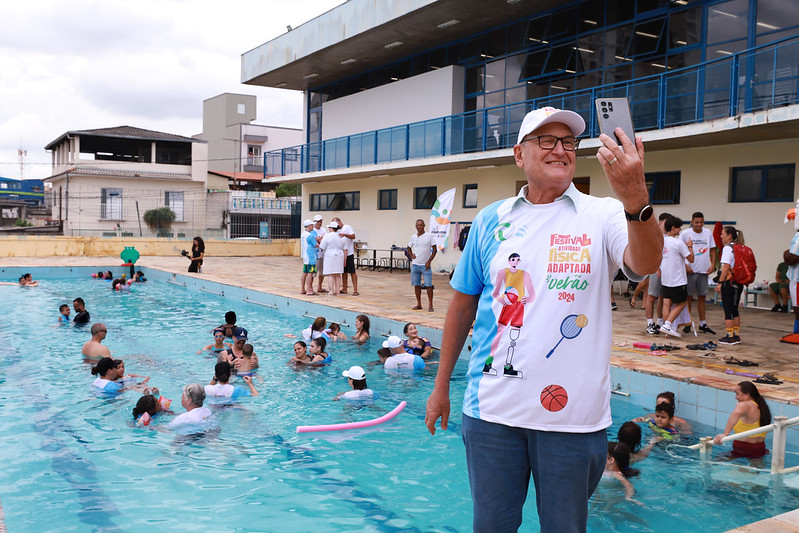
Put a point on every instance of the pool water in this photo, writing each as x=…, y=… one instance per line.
x=74, y=462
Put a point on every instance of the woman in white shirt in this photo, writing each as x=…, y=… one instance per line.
x=333, y=245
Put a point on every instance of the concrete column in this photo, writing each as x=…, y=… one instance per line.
x=152, y=152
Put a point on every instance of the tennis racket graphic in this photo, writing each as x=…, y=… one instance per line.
x=571, y=326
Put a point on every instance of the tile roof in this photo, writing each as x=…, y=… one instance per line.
x=118, y=173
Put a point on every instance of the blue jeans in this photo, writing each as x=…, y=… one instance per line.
x=566, y=468
x=419, y=271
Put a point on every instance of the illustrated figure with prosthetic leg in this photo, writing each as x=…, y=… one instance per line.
x=513, y=289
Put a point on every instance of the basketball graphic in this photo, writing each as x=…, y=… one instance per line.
x=554, y=398
x=504, y=231
x=581, y=321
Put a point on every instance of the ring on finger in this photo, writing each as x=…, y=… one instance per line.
x=614, y=160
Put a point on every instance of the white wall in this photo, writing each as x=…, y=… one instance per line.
x=434, y=94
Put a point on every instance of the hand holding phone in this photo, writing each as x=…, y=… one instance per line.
x=615, y=113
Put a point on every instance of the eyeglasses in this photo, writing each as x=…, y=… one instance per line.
x=549, y=142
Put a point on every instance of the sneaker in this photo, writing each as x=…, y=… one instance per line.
x=736, y=339
x=613, y=306
x=784, y=309
x=652, y=329
x=668, y=331
x=704, y=328
x=728, y=339
x=776, y=309
x=686, y=329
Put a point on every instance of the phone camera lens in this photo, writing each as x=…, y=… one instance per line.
x=605, y=115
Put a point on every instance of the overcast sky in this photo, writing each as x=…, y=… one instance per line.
x=95, y=64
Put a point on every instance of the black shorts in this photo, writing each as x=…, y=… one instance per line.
x=349, y=265
x=677, y=295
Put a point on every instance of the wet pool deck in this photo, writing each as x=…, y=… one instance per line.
x=389, y=294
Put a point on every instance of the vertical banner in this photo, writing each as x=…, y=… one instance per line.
x=440, y=218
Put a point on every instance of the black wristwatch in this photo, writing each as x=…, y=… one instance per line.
x=642, y=216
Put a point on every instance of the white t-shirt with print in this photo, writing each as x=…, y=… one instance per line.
x=558, y=342
x=703, y=243
x=672, y=267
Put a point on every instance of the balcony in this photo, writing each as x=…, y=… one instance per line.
x=753, y=80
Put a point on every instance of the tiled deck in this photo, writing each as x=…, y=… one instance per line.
x=390, y=295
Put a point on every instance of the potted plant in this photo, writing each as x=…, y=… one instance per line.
x=160, y=220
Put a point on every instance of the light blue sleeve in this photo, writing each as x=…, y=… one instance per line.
x=239, y=392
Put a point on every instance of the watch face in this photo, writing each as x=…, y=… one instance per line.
x=646, y=213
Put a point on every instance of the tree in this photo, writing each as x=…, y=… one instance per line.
x=288, y=189
x=159, y=220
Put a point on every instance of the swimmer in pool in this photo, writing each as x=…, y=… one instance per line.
x=63, y=314
x=222, y=391
x=661, y=425
x=93, y=350
x=617, y=467
x=334, y=332
x=361, y=329
x=107, y=383
x=128, y=381
x=26, y=280
x=356, y=379
x=301, y=356
x=667, y=397
x=320, y=356
x=219, y=344
x=245, y=365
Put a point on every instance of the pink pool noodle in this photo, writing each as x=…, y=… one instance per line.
x=354, y=425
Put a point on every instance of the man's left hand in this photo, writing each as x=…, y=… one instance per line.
x=624, y=169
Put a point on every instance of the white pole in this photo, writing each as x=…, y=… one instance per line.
x=778, y=445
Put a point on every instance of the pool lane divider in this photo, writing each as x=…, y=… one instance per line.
x=354, y=425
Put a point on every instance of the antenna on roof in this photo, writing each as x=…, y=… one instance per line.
x=21, y=154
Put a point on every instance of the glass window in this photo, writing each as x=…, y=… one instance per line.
x=424, y=197
x=336, y=201
x=620, y=10
x=685, y=28
x=663, y=187
x=775, y=15
x=770, y=183
x=111, y=204
x=560, y=60
x=592, y=15
x=513, y=69
x=174, y=201
x=474, y=80
x=727, y=21
x=387, y=199
x=495, y=76
x=470, y=195
x=648, y=37
x=589, y=52
x=534, y=64
x=617, y=41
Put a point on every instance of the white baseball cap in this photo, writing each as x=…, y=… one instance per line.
x=317, y=218
x=392, y=342
x=355, y=372
x=546, y=115
x=308, y=222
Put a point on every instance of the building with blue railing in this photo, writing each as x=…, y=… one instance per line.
x=404, y=100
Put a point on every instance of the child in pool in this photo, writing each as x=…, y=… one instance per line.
x=63, y=313
x=617, y=467
x=150, y=404
x=245, y=366
x=356, y=378
x=108, y=275
x=661, y=425
x=230, y=324
x=320, y=357
x=667, y=397
x=301, y=356
x=415, y=346
x=630, y=435
x=219, y=344
x=334, y=332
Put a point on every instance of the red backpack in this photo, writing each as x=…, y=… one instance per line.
x=743, y=273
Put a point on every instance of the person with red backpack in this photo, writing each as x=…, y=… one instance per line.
x=730, y=288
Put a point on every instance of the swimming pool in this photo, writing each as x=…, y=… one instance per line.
x=75, y=463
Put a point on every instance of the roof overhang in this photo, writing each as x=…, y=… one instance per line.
x=321, y=50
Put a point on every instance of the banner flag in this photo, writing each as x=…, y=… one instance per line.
x=440, y=218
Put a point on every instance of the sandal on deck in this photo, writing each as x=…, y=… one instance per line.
x=769, y=379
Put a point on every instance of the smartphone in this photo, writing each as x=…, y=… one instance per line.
x=615, y=113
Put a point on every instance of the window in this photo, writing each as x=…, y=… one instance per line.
x=770, y=183
x=336, y=201
x=174, y=201
x=424, y=197
x=470, y=195
x=663, y=187
x=111, y=204
x=254, y=155
x=387, y=199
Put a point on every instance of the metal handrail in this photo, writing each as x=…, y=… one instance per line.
x=475, y=131
x=778, y=427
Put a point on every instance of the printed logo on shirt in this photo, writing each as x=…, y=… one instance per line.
x=570, y=255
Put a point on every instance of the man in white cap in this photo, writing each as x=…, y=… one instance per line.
x=546, y=415
x=320, y=254
x=356, y=378
x=400, y=359
x=307, y=228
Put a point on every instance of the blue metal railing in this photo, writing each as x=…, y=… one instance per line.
x=755, y=79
